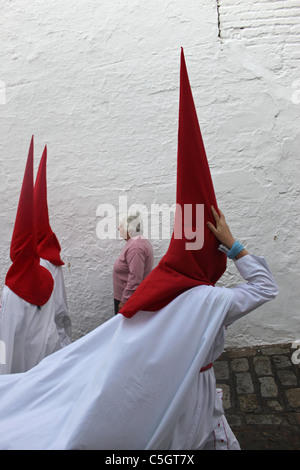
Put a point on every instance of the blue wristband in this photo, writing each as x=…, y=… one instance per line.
x=236, y=248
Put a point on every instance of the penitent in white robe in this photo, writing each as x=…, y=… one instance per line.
x=27, y=333
x=135, y=383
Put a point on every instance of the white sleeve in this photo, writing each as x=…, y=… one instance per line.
x=260, y=288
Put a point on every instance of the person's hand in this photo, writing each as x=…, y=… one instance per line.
x=121, y=304
x=221, y=230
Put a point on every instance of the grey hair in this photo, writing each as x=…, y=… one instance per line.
x=133, y=223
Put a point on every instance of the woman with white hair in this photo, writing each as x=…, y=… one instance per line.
x=135, y=261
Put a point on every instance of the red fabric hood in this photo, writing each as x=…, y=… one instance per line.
x=48, y=244
x=26, y=277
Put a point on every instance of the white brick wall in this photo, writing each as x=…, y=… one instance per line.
x=98, y=82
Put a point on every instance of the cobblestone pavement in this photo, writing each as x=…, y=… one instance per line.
x=261, y=395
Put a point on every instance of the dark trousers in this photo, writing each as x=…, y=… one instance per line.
x=117, y=303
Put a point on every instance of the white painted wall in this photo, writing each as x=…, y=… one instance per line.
x=98, y=83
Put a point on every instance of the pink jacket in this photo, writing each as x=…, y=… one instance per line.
x=131, y=267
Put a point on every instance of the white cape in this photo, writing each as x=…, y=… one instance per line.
x=134, y=383
x=60, y=304
x=122, y=386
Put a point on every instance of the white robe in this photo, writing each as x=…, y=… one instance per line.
x=27, y=333
x=61, y=311
x=135, y=383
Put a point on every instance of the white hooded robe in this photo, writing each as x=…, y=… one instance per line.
x=135, y=383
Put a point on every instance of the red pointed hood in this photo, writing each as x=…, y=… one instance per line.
x=26, y=277
x=48, y=244
x=188, y=262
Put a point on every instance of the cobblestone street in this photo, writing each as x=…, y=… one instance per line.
x=261, y=387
